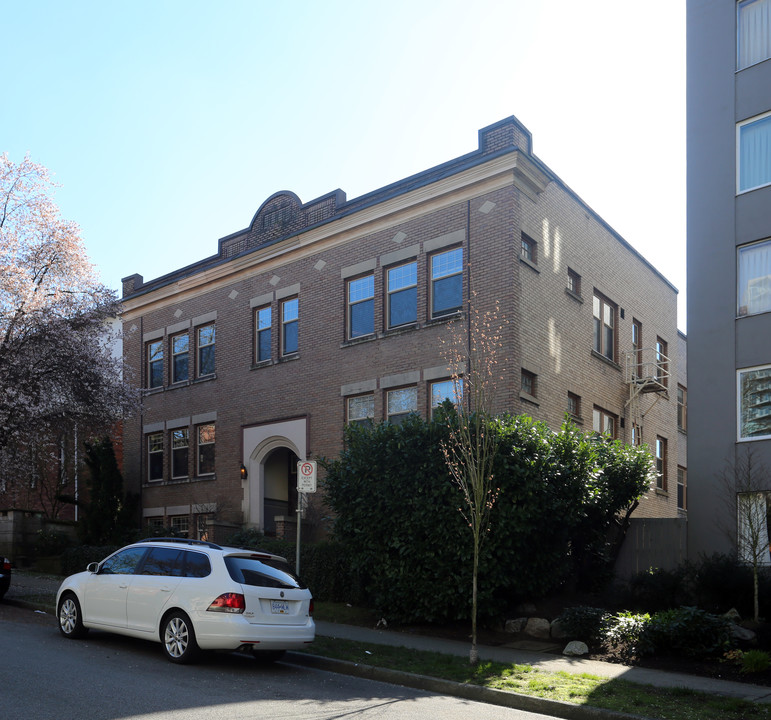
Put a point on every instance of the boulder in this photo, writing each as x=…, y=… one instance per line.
x=515, y=626
x=576, y=648
x=557, y=631
x=741, y=633
x=538, y=627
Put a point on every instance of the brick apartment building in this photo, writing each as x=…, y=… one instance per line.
x=331, y=311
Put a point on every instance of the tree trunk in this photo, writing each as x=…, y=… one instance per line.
x=474, y=654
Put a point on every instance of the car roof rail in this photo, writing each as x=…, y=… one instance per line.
x=183, y=541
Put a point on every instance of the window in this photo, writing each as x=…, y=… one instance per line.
x=179, y=358
x=361, y=409
x=403, y=294
x=290, y=313
x=446, y=282
x=637, y=347
x=661, y=463
x=180, y=525
x=155, y=456
x=604, y=327
x=682, y=408
x=753, y=22
x=361, y=306
x=754, y=287
x=155, y=524
x=752, y=524
x=400, y=403
x=446, y=390
x=155, y=364
x=636, y=434
x=528, y=383
x=754, y=401
x=662, y=362
x=574, y=282
x=603, y=422
x=205, y=449
x=179, y=446
x=166, y=562
x=123, y=562
x=574, y=405
x=205, y=350
x=754, y=153
x=528, y=249
x=682, y=488
x=263, y=318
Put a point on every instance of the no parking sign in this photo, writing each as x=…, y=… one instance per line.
x=306, y=476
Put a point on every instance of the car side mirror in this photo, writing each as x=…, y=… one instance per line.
x=93, y=567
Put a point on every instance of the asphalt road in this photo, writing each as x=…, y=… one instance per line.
x=106, y=677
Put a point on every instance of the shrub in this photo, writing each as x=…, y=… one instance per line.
x=50, y=542
x=585, y=623
x=626, y=632
x=75, y=559
x=687, y=631
x=657, y=589
x=755, y=661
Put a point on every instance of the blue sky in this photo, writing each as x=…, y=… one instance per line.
x=168, y=123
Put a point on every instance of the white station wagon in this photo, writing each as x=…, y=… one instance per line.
x=191, y=595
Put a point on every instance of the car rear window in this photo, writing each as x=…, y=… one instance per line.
x=261, y=572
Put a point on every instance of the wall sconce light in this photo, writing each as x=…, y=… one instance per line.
x=244, y=474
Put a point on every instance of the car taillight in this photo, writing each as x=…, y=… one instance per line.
x=228, y=603
x=6, y=565
x=310, y=608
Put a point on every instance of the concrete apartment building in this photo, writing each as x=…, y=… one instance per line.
x=729, y=257
x=332, y=311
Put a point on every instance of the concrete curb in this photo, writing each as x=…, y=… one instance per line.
x=476, y=693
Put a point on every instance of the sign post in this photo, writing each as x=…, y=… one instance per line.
x=306, y=483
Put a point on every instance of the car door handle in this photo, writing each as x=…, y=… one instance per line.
x=165, y=589
x=123, y=587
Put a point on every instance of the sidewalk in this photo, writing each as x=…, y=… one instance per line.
x=26, y=585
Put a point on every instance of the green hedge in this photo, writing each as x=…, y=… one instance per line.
x=398, y=515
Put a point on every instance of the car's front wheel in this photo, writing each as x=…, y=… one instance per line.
x=178, y=638
x=70, y=618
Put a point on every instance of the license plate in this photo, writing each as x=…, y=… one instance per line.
x=279, y=607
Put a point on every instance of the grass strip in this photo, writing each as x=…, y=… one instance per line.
x=580, y=689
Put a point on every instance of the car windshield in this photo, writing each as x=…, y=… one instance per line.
x=262, y=572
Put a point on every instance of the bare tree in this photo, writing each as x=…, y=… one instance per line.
x=472, y=443
x=747, y=486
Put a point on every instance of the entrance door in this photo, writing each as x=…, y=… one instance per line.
x=280, y=487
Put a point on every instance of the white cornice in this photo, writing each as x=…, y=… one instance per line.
x=512, y=168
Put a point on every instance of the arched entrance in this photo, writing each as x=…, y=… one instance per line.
x=280, y=488
x=270, y=455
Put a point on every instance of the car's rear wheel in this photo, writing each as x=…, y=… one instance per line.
x=267, y=656
x=70, y=618
x=178, y=638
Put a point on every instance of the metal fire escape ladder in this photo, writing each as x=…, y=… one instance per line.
x=646, y=374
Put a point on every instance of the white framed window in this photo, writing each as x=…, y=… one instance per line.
x=402, y=284
x=754, y=283
x=361, y=306
x=603, y=422
x=442, y=390
x=180, y=524
x=753, y=399
x=263, y=319
x=604, y=327
x=206, y=336
x=752, y=510
x=400, y=403
x=446, y=282
x=155, y=456
x=682, y=488
x=574, y=282
x=180, y=358
x=290, y=317
x=753, y=32
x=360, y=409
x=753, y=153
x=205, y=455
x=661, y=463
x=179, y=453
